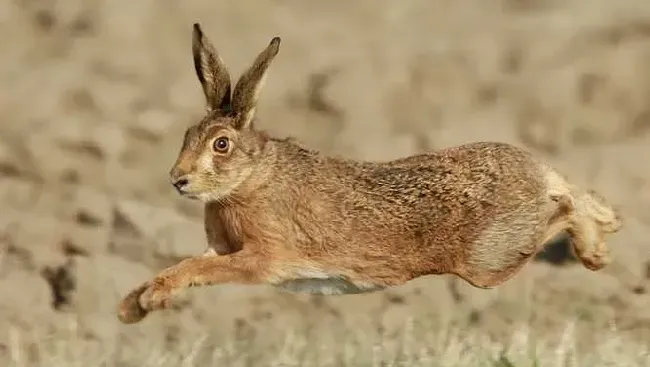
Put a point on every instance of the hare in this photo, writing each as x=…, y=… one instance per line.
x=280, y=213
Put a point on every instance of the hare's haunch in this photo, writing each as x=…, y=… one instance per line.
x=279, y=213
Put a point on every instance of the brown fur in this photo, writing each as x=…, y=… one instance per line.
x=279, y=213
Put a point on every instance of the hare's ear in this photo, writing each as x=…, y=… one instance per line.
x=211, y=71
x=247, y=89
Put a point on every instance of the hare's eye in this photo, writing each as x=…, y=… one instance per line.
x=221, y=145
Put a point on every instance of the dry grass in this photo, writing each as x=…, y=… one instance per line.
x=417, y=345
x=95, y=96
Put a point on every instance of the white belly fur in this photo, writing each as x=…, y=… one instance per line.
x=315, y=281
x=329, y=286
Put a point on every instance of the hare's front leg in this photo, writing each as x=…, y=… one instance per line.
x=240, y=267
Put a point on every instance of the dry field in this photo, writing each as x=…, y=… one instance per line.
x=95, y=96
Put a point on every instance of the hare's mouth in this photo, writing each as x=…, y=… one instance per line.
x=184, y=192
x=193, y=195
x=186, y=187
x=200, y=196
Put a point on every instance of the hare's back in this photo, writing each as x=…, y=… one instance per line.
x=488, y=172
x=466, y=184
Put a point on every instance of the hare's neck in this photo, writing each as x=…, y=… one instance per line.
x=288, y=169
x=258, y=177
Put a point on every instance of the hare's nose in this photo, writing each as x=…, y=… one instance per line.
x=180, y=184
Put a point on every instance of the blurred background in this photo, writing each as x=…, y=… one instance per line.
x=95, y=96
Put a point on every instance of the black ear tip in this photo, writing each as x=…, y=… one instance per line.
x=197, y=28
x=274, y=45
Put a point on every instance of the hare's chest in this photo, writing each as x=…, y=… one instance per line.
x=319, y=282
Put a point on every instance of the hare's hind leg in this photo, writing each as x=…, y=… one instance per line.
x=589, y=219
x=586, y=216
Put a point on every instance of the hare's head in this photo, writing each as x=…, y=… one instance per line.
x=223, y=150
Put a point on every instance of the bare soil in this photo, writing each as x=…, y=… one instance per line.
x=95, y=96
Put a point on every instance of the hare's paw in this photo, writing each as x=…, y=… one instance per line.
x=157, y=296
x=597, y=259
x=150, y=296
x=130, y=310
